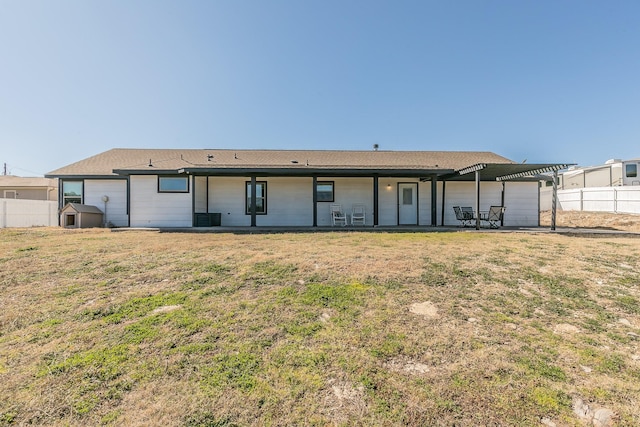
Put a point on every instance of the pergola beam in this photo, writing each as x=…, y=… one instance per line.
x=532, y=172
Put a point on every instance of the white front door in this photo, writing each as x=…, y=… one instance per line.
x=408, y=203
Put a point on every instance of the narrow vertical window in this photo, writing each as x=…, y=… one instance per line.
x=407, y=196
x=261, y=198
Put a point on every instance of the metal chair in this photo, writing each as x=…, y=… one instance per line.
x=495, y=216
x=464, y=215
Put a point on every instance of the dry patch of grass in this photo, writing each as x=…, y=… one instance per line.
x=606, y=220
x=142, y=328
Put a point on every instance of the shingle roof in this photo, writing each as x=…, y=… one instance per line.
x=21, y=181
x=82, y=208
x=151, y=160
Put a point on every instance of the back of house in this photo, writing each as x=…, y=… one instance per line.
x=249, y=188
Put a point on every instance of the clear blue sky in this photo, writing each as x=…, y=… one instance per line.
x=546, y=81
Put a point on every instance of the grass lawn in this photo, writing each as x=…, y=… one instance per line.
x=344, y=328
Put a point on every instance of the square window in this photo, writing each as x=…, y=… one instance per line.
x=324, y=191
x=631, y=170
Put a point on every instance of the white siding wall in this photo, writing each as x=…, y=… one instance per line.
x=424, y=201
x=200, y=189
x=464, y=194
x=347, y=192
x=289, y=202
x=388, y=200
x=152, y=209
x=521, y=201
x=116, y=190
x=226, y=195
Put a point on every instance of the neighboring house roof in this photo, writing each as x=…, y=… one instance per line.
x=121, y=161
x=81, y=208
x=26, y=182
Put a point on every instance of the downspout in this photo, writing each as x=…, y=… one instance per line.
x=434, y=200
x=477, y=200
x=60, y=199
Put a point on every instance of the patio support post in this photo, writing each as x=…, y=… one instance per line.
x=128, y=201
x=434, y=200
x=502, y=203
x=477, y=200
x=444, y=186
x=315, y=201
x=375, y=200
x=554, y=199
x=253, y=200
x=193, y=199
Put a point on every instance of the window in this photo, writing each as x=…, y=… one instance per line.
x=324, y=191
x=631, y=170
x=173, y=184
x=261, y=198
x=71, y=192
x=407, y=196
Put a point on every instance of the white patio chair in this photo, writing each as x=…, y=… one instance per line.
x=358, y=216
x=338, y=216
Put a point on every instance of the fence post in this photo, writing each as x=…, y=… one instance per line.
x=615, y=200
x=554, y=200
x=3, y=214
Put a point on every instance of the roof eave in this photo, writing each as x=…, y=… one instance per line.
x=316, y=171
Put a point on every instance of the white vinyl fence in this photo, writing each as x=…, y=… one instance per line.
x=595, y=199
x=28, y=213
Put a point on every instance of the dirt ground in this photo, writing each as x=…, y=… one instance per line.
x=603, y=220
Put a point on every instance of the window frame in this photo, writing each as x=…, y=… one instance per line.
x=333, y=191
x=627, y=171
x=247, y=201
x=65, y=197
x=183, y=177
